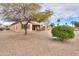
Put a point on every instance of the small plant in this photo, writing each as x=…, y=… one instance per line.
x=63, y=32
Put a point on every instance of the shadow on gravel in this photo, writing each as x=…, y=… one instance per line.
x=54, y=39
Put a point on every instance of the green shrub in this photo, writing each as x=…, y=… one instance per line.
x=63, y=32
x=76, y=24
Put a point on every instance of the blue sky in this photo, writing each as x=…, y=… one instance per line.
x=66, y=12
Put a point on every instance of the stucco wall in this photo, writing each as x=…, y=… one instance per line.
x=17, y=28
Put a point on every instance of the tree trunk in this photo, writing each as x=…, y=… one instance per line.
x=25, y=26
x=25, y=31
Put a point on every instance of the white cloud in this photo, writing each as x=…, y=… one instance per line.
x=63, y=9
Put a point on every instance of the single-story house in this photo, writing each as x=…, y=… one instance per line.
x=32, y=26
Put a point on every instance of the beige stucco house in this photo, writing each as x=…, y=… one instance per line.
x=32, y=26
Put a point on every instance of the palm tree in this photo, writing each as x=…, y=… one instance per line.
x=66, y=23
x=58, y=21
x=52, y=24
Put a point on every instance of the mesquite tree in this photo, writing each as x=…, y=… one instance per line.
x=19, y=12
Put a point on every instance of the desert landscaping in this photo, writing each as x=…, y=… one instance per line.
x=38, y=29
x=36, y=43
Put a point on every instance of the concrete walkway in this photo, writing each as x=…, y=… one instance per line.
x=35, y=44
